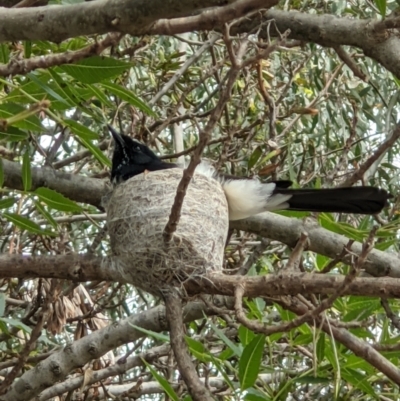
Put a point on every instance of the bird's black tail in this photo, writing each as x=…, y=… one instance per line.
x=359, y=200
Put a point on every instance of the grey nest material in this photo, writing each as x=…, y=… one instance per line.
x=137, y=213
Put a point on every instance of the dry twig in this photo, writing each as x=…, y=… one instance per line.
x=173, y=307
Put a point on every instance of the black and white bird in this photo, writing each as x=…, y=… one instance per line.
x=246, y=196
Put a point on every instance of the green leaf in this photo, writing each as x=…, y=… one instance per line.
x=250, y=361
x=2, y=303
x=312, y=380
x=27, y=49
x=1, y=173
x=75, y=95
x=303, y=339
x=341, y=228
x=383, y=246
x=381, y=4
x=3, y=327
x=32, y=123
x=236, y=350
x=163, y=382
x=254, y=157
x=66, y=95
x=96, y=152
x=56, y=200
x=26, y=172
x=256, y=395
x=46, y=214
x=81, y=131
x=26, y=224
x=17, y=323
x=226, y=354
x=359, y=380
x=6, y=202
x=155, y=335
x=245, y=335
x=12, y=134
x=359, y=308
x=220, y=368
x=95, y=69
x=269, y=156
x=397, y=82
x=98, y=94
x=129, y=97
x=4, y=53
x=198, y=350
x=32, y=76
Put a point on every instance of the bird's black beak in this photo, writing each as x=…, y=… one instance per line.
x=117, y=137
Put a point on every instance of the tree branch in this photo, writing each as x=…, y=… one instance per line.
x=288, y=230
x=204, y=137
x=81, y=268
x=173, y=308
x=24, y=66
x=209, y=19
x=57, y=23
x=379, y=153
x=117, y=369
x=58, y=365
x=268, y=225
x=74, y=186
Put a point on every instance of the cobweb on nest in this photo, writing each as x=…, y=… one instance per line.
x=137, y=212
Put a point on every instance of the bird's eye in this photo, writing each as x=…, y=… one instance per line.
x=137, y=148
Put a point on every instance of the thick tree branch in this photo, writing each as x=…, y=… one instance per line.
x=135, y=391
x=59, y=364
x=56, y=367
x=209, y=19
x=98, y=375
x=325, y=30
x=81, y=268
x=324, y=242
x=139, y=17
x=24, y=66
x=328, y=30
x=73, y=186
x=57, y=23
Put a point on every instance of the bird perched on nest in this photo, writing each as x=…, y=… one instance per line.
x=247, y=197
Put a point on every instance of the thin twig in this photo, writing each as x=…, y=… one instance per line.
x=389, y=313
x=346, y=58
x=24, y=66
x=312, y=314
x=255, y=254
x=31, y=343
x=184, y=67
x=338, y=258
x=295, y=257
x=343, y=160
x=313, y=102
x=204, y=137
x=382, y=149
x=173, y=308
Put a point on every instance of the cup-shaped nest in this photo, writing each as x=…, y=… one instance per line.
x=137, y=213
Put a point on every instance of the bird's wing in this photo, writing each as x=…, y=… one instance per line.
x=246, y=197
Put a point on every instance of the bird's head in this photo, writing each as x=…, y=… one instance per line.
x=130, y=157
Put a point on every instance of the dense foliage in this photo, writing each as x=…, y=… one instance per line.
x=316, y=115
